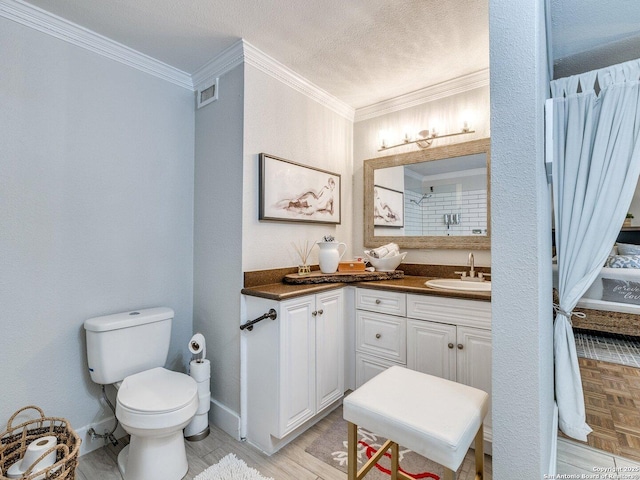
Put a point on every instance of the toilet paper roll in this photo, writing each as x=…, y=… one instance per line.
x=203, y=387
x=34, y=451
x=204, y=403
x=197, y=344
x=200, y=371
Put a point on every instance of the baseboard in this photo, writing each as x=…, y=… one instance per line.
x=225, y=419
x=88, y=445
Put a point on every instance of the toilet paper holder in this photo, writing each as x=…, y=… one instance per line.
x=197, y=345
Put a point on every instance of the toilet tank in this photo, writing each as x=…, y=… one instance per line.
x=122, y=344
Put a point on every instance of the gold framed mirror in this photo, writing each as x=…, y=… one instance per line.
x=433, y=198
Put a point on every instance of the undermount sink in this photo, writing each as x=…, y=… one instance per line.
x=459, y=285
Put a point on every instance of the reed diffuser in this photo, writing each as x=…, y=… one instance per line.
x=304, y=250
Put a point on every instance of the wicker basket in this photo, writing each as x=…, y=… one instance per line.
x=15, y=440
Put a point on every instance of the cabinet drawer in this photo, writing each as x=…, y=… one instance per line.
x=382, y=335
x=394, y=303
x=368, y=366
x=454, y=311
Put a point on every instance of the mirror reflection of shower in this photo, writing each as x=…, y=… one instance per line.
x=424, y=196
x=435, y=209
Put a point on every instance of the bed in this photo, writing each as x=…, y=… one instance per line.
x=612, y=303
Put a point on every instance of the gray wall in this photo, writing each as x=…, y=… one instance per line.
x=523, y=431
x=96, y=213
x=218, y=275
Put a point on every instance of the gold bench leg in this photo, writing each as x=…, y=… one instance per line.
x=352, y=451
x=394, y=461
x=449, y=474
x=480, y=453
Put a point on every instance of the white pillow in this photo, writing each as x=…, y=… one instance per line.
x=628, y=249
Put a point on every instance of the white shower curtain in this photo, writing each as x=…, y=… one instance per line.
x=595, y=170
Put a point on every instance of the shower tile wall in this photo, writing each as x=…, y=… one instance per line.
x=471, y=205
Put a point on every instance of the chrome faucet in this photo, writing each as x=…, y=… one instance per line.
x=472, y=272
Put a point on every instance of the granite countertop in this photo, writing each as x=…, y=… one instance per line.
x=407, y=284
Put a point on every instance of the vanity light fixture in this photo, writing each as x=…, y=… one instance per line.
x=427, y=138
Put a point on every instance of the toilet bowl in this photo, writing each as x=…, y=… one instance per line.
x=154, y=406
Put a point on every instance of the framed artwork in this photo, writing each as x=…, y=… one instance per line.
x=291, y=192
x=388, y=207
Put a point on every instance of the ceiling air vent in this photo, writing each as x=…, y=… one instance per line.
x=208, y=93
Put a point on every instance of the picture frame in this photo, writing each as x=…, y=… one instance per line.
x=388, y=207
x=293, y=192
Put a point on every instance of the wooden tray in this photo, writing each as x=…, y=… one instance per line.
x=340, y=277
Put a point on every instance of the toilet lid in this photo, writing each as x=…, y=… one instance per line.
x=157, y=390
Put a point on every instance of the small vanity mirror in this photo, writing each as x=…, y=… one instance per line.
x=432, y=198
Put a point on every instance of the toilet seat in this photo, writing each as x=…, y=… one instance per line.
x=156, y=400
x=157, y=391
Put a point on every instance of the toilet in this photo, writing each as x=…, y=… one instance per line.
x=153, y=404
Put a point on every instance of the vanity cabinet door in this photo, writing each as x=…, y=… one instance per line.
x=431, y=348
x=297, y=385
x=311, y=357
x=329, y=348
x=474, y=361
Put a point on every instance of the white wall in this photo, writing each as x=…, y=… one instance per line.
x=217, y=239
x=448, y=114
x=283, y=122
x=522, y=323
x=96, y=213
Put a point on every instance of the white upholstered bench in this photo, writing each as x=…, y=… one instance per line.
x=434, y=417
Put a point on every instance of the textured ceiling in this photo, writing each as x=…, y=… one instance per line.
x=360, y=51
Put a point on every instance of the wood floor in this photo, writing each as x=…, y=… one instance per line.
x=293, y=463
x=290, y=463
x=612, y=403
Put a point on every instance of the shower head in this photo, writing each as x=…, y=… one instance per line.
x=419, y=202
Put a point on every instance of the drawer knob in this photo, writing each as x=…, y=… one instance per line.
x=450, y=345
x=378, y=301
x=460, y=346
x=320, y=312
x=378, y=335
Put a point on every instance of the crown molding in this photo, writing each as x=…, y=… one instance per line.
x=219, y=65
x=45, y=22
x=284, y=74
x=429, y=94
x=243, y=51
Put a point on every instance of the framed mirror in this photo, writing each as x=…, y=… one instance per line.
x=433, y=198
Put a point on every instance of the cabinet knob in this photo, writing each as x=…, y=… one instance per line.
x=378, y=301
x=378, y=335
x=320, y=312
x=314, y=313
x=450, y=345
x=460, y=346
